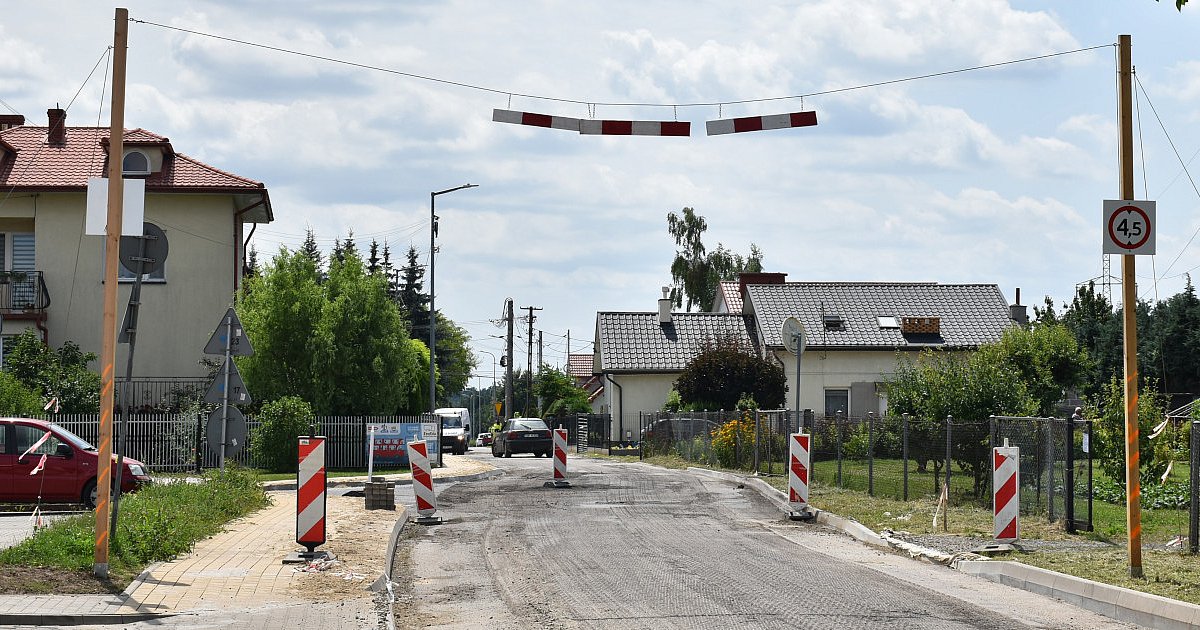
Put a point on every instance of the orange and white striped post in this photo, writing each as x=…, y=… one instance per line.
x=798, y=473
x=1006, y=493
x=310, y=493
x=560, y=461
x=422, y=482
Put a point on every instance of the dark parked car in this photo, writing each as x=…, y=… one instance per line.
x=69, y=474
x=523, y=435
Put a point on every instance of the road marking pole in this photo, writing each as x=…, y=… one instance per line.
x=560, y=461
x=422, y=482
x=1006, y=496
x=310, y=501
x=798, y=472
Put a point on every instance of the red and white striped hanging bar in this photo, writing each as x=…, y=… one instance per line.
x=761, y=123
x=635, y=128
x=535, y=120
x=595, y=127
x=654, y=127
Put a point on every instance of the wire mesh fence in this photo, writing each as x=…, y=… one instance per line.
x=900, y=457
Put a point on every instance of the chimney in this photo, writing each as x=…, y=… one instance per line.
x=664, y=307
x=57, y=133
x=760, y=277
x=1017, y=312
x=8, y=121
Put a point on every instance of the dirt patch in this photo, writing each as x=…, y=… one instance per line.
x=50, y=580
x=359, y=539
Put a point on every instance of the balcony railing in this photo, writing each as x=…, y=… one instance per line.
x=23, y=292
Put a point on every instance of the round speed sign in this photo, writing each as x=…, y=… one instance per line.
x=1129, y=227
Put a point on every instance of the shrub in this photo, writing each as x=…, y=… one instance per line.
x=273, y=442
x=16, y=399
x=61, y=373
x=733, y=441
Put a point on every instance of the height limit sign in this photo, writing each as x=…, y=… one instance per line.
x=1129, y=227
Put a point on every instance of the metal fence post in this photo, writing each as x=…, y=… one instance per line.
x=756, y=443
x=1050, y=467
x=870, y=453
x=837, y=419
x=1069, y=476
x=949, y=453
x=904, y=450
x=1194, y=478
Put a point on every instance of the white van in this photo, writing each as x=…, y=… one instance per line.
x=456, y=429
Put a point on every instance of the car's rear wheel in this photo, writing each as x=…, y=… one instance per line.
x=89, y=494
x=507, y=450
x=495, y=453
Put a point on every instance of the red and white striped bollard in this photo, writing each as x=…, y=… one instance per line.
x=799, y=459
x=310, y=494
x=560, y=461
x=1006, y=496
x=422, y=482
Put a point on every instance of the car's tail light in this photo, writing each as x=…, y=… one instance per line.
x=513, y=435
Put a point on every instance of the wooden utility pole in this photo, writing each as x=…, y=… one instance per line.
x=529, y=363
x=508, y=364
x=1133, y=491
x=112, y=244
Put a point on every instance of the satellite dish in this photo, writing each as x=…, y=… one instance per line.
x=793, y=335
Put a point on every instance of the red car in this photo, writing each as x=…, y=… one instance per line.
x=69, y=475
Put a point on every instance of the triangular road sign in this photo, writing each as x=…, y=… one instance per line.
x=239, y=343
x=238, y=395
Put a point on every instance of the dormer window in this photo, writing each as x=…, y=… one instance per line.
x=135, y=163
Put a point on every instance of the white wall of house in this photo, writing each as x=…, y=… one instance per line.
x=821, y=371
x=637, y=393
x=178, y=313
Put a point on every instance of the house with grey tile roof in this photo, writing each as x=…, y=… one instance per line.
x=854, y=331
x=640, y=355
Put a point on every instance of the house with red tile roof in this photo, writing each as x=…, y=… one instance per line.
x=579, y=366
x=52, y=271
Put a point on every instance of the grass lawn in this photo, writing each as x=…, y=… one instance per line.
x=1171, y=573
x=155, y=524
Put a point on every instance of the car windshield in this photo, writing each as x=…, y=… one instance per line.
x=530, y=424
x=75, y=440
x=452, y=422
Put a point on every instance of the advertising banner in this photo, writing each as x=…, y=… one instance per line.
x=391, y=441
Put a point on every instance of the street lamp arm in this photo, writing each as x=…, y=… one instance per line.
x=450, y=190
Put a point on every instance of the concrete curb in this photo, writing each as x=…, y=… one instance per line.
x=1115, y=602
x=1122, y=604
x=84, y=619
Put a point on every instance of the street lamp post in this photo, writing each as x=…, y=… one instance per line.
x=493, y=385
x=433, y=314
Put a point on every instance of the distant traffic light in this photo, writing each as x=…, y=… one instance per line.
x=504, y=361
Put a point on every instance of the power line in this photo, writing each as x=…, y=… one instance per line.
x=541, y=97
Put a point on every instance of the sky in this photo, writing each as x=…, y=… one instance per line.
x=995, y=175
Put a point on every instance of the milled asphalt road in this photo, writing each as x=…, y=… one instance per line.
x=632, y=546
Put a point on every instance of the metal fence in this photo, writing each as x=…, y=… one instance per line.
x=896, y=456
x=177, y=442
x=592, y=431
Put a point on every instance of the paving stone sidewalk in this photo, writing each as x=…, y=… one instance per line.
x=237, y=572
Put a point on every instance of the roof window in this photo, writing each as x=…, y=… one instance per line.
x=888, y=321
x=135, y=163
x=833, y=322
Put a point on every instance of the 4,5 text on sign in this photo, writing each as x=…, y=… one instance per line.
x=1129, y=227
